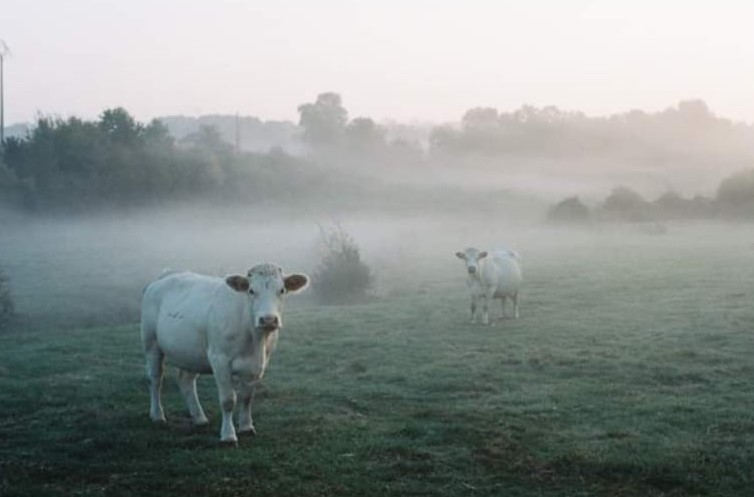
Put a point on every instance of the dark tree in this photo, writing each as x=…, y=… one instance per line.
x=324, y=121
x=568, y=211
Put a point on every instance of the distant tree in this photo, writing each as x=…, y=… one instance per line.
x=568, y=211
x=626, y=205
x=157, y=135
x=480, y=118
x=444, y=140
x=671, y=205
x=735, y=195
x=119, y=126
x=365, y=136
x=208, y=139
x=323, y=121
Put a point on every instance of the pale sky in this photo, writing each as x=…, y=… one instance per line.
x=399, y=59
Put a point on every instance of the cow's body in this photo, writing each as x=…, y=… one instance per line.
x=227, y=327
x=493, y=275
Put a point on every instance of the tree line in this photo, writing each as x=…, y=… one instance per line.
x=733, y=200
x=115, y=160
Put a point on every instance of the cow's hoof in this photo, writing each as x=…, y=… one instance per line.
x=230, y=443
x=200, y=422
x=158, y=420
x=248, y=432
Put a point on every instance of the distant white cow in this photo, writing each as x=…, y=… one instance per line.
x=491, y=276
x=224, y=326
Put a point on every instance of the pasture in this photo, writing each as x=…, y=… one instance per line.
x=630, y=373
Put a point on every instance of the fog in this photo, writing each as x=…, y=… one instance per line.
x=89, y=270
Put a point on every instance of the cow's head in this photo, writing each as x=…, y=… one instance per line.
x=267, y=289
x=471, y=258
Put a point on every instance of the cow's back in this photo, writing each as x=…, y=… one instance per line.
x=508, y=272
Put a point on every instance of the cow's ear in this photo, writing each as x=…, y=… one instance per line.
x=296, y=282
x=460, y=255
x=238, y=283
x=482, y=254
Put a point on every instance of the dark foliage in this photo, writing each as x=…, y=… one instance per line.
x=115, y=161
x=624, y=204
x=568, y=211
x=735, y=195
x=6, y=301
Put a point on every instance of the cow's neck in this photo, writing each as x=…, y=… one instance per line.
x=475, y=278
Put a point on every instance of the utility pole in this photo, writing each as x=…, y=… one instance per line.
x=238, y=134
x=3, y=52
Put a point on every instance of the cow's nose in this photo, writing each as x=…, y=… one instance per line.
x=472, y=270
x=269, y=321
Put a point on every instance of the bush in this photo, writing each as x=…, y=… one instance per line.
x=568, y=211
x=6, y=302
x=671, y=205
x=735, y=195
x=624, y=204
x=342, y=276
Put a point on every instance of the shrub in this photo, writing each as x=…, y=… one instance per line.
x=568, y=211
x=6, y=302
x=342, y=276
x=624, y=204
x=671, y=205
x=735, y=195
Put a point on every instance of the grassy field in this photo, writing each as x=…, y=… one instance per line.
x=630, y=373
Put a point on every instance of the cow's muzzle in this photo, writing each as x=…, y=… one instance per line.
x=472, y=270
x=268, y=323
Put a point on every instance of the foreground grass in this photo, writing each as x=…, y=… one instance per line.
x=629, y=374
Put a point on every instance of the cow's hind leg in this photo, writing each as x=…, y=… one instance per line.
x=187, y=385
x=502, y=305
x=155, y=359
x=246, y=397
x=515, y=305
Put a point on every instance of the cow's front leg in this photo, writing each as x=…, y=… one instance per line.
x=486, y=309
x=227, y=396
x=246, y=387
x=473, y=309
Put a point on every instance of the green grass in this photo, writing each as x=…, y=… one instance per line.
x=630, y=373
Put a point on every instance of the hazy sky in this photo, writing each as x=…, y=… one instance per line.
x=401, y=59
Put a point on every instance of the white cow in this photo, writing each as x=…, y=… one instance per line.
x=492, y=276
x=224, y=326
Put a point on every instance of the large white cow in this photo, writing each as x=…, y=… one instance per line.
x=224, y=326
x=495, y=275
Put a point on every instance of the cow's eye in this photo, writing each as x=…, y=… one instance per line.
x=282, y=291
x=251, y=292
